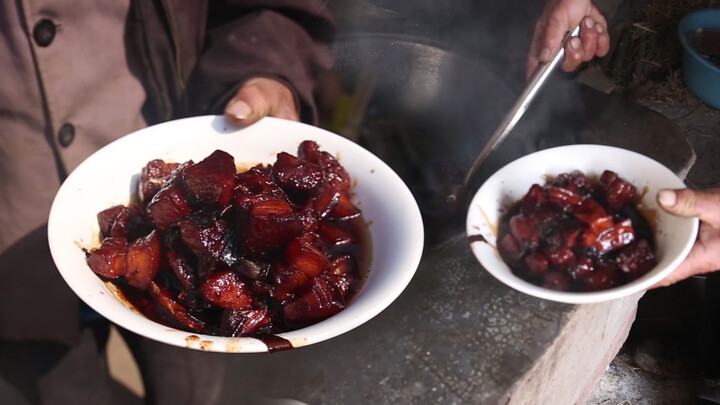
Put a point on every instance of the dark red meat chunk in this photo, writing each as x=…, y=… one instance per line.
x=168, y=207
x=576, y=234
x=173, y=310
x=109, y=260
x=152, y=177
x=211, y=181
x=257, y=180
x=243, y=322
x=187, y=276
x=322, y=300
x=636, y=259
x=618, y=192
x=226, y=290
x=307, y=258
x=269, y=225
x=344, y=209
x=334, y=172
x=204, y=234
x=299, y=178
x=143, y=260
x=334, y=235
x=123, y=221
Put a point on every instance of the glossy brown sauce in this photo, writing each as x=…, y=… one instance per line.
x=476, y=238
x=275, y=343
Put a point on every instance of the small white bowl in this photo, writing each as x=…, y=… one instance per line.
x=109, y=176
x=674, y=236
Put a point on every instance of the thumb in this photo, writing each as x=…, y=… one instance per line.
x=247, y=107
x=689, y=203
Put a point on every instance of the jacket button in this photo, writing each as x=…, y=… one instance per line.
x=44, y=32
x=66, y=134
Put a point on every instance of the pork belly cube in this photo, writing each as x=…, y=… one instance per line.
x=168, y=207
x=618, y=235
x=211, y=181
x=575, y=181
x=618, y=192
x=152, y=177
x=557, y=280
x=604, y=276
x=127, y=222
x=243, y=322
x=186, y=275
x=636, y=259
x=106, y=219
x=285, y=281
x=204, y=234
x=537, y=262
x=109, y=260
x=307, y=258
x=524, y=231
x=335, y=236
x=173, y=311
x=561, y=256
x=321, y=301
x=257, y=180
x=325, y=200
x=344, y=209
x=298, y=178
x=268, y=226
x=563, y=198
x=342, y=265
x=225, y=289
x=143, y=260
x=535, y=197
x=510, y=248
x=335, y=173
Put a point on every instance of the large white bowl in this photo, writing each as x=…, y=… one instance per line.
x=110, y=175
x=674, y=236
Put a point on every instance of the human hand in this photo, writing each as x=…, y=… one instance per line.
x=559, y=17
x=705, y=254
x=260, y=97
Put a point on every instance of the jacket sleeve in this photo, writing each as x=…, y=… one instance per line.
x=288, y=40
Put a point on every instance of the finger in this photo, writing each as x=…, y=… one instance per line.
x=597, y=16
x=285, y=109
x=689, y=203
x=536, y=48
x=248, y=106
x=603, y=40
x=588, y=37
x=573, y=54
x=697, y=262
x=557, y=27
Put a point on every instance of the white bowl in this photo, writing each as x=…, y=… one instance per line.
x=674, y=236
x=109, y=176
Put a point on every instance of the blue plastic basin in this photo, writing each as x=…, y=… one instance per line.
x=701, y=75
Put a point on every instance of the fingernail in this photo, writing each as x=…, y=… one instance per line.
x=239, y=109
x=589, y=22
x=599, y=28
x=575, y=43
x=667, y=198
x=545, y=54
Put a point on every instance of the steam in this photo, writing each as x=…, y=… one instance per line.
x=444, y=74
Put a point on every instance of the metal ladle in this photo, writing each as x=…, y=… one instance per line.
x=534, y=84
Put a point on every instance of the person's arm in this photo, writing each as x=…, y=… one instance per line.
x=705, y=254
x=262, y=57
x=559, y=17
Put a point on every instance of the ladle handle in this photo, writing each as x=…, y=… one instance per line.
x=534, y=84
